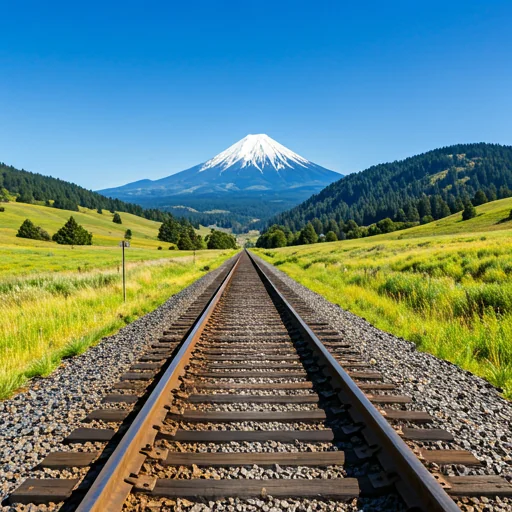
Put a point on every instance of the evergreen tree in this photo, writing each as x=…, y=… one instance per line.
x=469, y=211
x=480, y=198
x=184, y=243
x=317, y=226
x=117, y=219
x=400, y=215
x=29, y=230
x=99, y=210
x=128, y=234
x=412, y=213
x=308, y=235
x=170, y=231
x=72, y=234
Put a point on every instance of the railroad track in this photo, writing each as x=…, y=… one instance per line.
x=246, y=396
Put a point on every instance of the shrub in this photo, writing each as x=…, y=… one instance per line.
x=72, y=234
x=2, y=209
x=128, y=234
x=117, y=219
x=29, y=230
x=159, y=247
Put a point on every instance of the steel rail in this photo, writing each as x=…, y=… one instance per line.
x=110, y=488
x=415, y=483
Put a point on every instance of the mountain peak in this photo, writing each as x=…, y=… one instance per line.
x=258, y=150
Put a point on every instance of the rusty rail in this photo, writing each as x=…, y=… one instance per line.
x=414, y=482
x=111, y=487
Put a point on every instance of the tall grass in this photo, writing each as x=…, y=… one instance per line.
x=453, y=298
x=50, y=317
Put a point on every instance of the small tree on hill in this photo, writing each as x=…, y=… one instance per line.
x=169, y=231
x=100, y=210
x=72, y=234
x=29, y=230
x=184, y=243
x=128, y=234
x=480, y=198
x=308, y=235
x=278, y=239
x=469, y=211
x=220, y=240
x=331, y=236
x=117, y=218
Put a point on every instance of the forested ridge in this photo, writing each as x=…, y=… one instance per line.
x=29, y=187
x=431, y=185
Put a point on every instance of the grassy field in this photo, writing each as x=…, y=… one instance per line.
x=447, y=286
x=21, y=256
x=105, y=232
x=56, y=301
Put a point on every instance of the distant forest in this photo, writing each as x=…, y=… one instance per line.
x=430, y=185
x=29, y=187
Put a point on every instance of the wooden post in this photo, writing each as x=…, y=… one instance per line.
x=124, y=244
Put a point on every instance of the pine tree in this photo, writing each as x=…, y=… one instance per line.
x=169, y=231
x=72, y=234
x=184, y=243
x=29, y=230
x=308, y=235
x=128, y=234
x=469, y=211
x=117, y=218
x=480, y=198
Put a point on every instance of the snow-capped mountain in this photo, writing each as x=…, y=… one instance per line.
x=256, y=150
x=255, y=165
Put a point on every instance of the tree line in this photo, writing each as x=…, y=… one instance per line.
x=314, y=231
x=417, y=189
x=29, y=187
x=180, y=233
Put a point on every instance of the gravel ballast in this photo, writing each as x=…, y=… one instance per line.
x=35, y=421
x=462, y=403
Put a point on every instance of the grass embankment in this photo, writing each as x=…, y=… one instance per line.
x=48, y=317
x=57, y=300
x=447, y=286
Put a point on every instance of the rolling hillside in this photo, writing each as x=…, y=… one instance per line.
x=105, y=232
x=446, y=286
x=434, y=184
x=22, y=256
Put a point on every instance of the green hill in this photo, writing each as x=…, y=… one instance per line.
x=105, y=232
x=447, y=285
x=22, y=256
x=436, y=183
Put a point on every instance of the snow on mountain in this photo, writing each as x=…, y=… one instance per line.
x=257, y=150
x=257, y=165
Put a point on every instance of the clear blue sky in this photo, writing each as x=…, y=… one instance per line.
x=103, y=93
